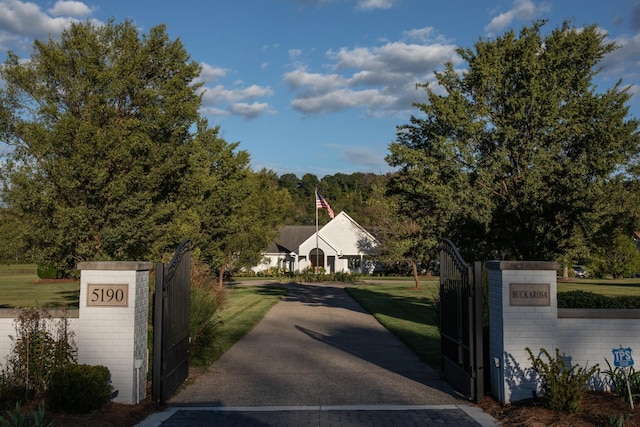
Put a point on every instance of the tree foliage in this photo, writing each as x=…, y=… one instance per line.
x=109, y=157
x=514, y=156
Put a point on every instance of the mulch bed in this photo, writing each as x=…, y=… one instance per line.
x=598, y=409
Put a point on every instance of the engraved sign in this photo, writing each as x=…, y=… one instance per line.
x=529, y=294
x=107, y=295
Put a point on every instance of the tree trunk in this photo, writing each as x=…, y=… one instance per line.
x=565, y=271
x=221, y=271
x=414, y=266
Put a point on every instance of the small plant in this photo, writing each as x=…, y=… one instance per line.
x=563, y=387
x=617, y=420
x=619, y=378
x=18, y=418
x=79, y=388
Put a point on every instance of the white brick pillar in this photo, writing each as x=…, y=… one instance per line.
x=523, y=312
x=113, y=323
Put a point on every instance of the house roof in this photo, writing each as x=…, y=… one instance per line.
x=291, y=237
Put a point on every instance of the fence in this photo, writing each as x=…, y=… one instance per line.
x=111, y=325
x=523, y=313
x=8, y=327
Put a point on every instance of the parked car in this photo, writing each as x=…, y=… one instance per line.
x=579, y=272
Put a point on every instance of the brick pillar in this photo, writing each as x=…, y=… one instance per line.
x=113, y=323
x=523, y=312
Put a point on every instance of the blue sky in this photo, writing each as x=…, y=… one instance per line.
x=319, y=86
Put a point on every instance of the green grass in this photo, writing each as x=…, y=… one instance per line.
x=244, y=307
x=19, y=288
x=409, y=313
x=608, y=287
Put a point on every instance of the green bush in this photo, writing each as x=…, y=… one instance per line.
x=39, y=346
x=49, y=272
x=563, y=387
x=582, y=299
x=206, y=300
x=203, y=319
x=78, y=388
x=11, y=393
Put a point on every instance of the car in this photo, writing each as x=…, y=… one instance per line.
x=579, y=272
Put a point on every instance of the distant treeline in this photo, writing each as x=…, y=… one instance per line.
x=343, y=192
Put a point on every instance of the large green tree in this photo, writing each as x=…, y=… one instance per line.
x=109, y=157
x=240, y=212
x=520, y=146
x=99, y=123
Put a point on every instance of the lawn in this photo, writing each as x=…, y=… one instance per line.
x=411, y=313
x=20, y=287
x=608, y=287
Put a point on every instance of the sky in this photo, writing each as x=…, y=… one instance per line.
x=319, y=86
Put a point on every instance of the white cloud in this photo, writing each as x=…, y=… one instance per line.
x=219, y=100
x=313, y=82
x=380, y=79
x=22, y=22
x=360, y=4
x=623, y=63
x=524, y=10
x=251, y=111
x=70, y=8
x=341, y=99
x=210, y=73
x=375, y=4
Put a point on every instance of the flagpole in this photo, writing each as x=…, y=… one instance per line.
x=317, y=254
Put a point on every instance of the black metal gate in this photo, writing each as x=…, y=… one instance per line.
x=171, y=324
x=461, y=322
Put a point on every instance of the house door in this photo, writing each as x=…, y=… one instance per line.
x=316, y=258
x=331, y=264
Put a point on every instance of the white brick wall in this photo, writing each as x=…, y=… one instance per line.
x=584, y=337
x=8, y=328
x=115, y=337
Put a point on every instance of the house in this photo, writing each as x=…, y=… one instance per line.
x=341, y=245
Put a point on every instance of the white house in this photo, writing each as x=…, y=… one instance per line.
x=341, y=245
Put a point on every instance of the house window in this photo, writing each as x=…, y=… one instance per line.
x=354, y=263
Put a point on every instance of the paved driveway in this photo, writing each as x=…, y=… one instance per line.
x=317, y=353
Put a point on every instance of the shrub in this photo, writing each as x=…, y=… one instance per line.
x=205, y=301
x=49, y=272
x=40, y=345
x=78, y=388
x=563, y=387
x=582, y=299
x=11, y=393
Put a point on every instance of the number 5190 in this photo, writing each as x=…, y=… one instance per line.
x=107, y=295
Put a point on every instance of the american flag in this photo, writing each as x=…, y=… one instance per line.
x=322, y=204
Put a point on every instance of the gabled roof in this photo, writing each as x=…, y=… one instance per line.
x=369, y=235
x=291, y=237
